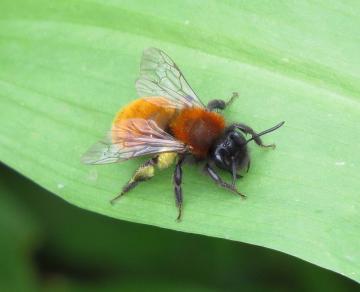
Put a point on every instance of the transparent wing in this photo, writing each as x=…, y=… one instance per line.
x=160, y=76
x=132, y=138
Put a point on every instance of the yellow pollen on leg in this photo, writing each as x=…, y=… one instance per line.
x=144, y=172
x=166, y=159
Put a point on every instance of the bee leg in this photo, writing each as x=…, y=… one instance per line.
x=177, y=179
x=143, y=173
x=247, y=130
x=218, y=180
x=219, y=104
x=234, y=171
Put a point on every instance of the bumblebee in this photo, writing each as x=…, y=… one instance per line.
x=171, y=124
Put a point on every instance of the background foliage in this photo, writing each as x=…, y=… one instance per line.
x=67, y=66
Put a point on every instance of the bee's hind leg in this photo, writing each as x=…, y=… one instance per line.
x=219, y=104
x=144, y=172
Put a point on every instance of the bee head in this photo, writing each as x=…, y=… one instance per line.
x=230, y=150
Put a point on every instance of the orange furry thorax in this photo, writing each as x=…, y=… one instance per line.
x=197, y=128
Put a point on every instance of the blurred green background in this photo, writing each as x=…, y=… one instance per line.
x=48, y=244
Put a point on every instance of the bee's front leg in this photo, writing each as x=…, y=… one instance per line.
x=210, y=171
x=248, y=130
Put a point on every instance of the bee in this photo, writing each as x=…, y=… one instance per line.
x=172, y=125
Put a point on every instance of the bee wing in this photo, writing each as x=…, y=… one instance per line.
x=132, y=138
x=160, y=76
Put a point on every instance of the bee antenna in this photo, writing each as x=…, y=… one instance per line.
x=266, y=132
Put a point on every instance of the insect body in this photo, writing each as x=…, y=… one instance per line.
x=170, y=123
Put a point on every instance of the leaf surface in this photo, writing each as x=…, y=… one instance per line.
x=66, y=67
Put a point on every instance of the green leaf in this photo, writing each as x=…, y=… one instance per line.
x=66, y=68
